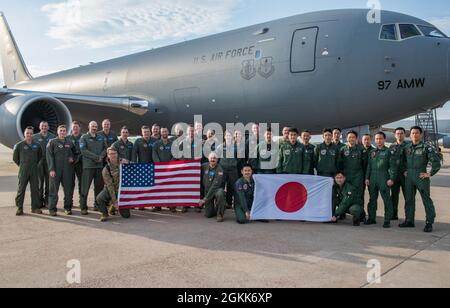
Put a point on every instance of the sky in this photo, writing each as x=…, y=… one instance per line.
x=54, y=34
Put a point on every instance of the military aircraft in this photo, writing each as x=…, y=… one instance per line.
x=315, y=70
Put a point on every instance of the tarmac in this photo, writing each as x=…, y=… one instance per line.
x=190, y=251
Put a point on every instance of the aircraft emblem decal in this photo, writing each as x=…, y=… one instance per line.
x=266, y=67
x=248, y=69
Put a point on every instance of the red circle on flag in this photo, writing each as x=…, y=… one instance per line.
x=291, y=197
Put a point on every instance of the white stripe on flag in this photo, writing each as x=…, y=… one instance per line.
x=171, y=201
x=168, y=194
x=176, y=180
x=175, y=166
x=161, y=187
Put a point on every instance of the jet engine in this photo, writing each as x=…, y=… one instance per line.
x=20, y=111
x=446, y=142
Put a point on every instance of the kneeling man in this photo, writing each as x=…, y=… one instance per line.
x=214, y=195
x=345, y=200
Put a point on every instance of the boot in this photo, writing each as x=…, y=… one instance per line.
x=428, y=228
x=407, y=224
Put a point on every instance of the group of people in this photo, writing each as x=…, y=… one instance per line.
x=47, y=161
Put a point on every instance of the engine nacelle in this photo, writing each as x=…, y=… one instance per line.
x=446, y=142
x=19, y=111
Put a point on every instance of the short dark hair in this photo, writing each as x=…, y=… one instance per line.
x=124, y=128
x=306, y=131
x=420, y=129
x=156, y=125
x=62, y=126
x=247, y=166
x=76, y=123
x=29, y=128
x=327, y=130
x=382, y=134
x=367, y=135
x=145, y=127
x=400, y=128
x=340, y=173
x=337, y=128
x=293, y=130
x=353, y=133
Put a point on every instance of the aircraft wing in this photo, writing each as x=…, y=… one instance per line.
x=132, y=104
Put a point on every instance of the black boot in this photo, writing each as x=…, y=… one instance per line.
x=407, y=224
x=370, y=222
x=428, y=228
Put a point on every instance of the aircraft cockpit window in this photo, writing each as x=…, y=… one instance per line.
x=388, y=32
x=408, y=30
x=431, y=32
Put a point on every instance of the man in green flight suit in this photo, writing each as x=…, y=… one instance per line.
x=109, y=135
x=244, y=195
x=380, y=177
x=337, y=137
x=213, y=194
x=345, y=200
x=124, y=146
x=93, y=149
x=143, y=147
x=43, y=139
x=229, y=163
x=366, y=141
x=351, y=164
x=75, y=138
x=27, y=155
x=162, y=149
x=327, y=155
x=61, y=155
x=290, y=159
x=398, y=150
x=309, y=154
x=419, y=156
x=267, y=153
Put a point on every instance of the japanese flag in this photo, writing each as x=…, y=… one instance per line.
x=293, y=197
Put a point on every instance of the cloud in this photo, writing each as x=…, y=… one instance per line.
x=104, y=23
x=443, y=23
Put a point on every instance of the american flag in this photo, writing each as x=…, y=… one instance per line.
x=161, y=184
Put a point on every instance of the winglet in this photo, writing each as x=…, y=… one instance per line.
x=14, y=69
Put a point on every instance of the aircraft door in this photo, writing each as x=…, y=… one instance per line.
x=303, y=50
